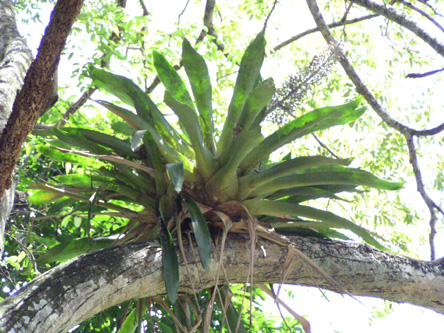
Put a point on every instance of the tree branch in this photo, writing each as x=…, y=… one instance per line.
x=15, y=61
x=420, y=186
x=36, y=88
x=72, y=292
x=402, y=20
x=331, y=25
x=421, y=12
x=404, y=130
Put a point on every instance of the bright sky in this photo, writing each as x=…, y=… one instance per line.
x=339, y=314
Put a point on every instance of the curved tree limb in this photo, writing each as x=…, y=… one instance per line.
x=82, y=287
x=404, y=130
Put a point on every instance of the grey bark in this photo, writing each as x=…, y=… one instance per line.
x=82, y=287
x=403, y=20
x=15, y=59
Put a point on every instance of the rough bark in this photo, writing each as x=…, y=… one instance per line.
x=19, y=112
x=82, y=287
x=37, y=88
x=15, y=58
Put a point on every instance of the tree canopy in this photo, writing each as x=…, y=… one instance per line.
x=171, y=167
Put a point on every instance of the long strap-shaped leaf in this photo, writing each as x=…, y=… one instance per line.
x=327, y=219
x=256, y=101
x=301, y=194
x=226, y=179
x=131, y=94
x=201, y=231
x=179, y=100
x=205, y=161
x=170, y=263
x=139, y=123
x=197, y=72
x=308, y=123
x=254, y=180
x=346, y=176
x=249, y=69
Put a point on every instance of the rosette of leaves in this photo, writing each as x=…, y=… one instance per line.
x=165, y=178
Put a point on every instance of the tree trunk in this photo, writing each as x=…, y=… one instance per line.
x=14, y=62
x=82, y=287
x=19, y=112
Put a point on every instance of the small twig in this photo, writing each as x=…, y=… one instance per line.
x=420, y=75
x=420, y=186
x=208, y=24
x=183, y=11
x=401, y=19
x=421, y=12
x=347, y=10
x=323, y=145
x=26, y=250
x=425, y=2
x=144, y=8
x=269, y=14
x=331, y=25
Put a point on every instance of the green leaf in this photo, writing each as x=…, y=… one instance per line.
x=256, y=101
x=288, y=228
x=331, y=175
x=74, y=248
x=249, y=70
x=170, y=264
x=82, y=180
x=75, y=138
x=300, y=194
x=323, y=219
x=44, y=197
x=197, y=72
x=177, y=176
x=120, y=147
x=259, y=98
x=130, y=324
x=172, y=81
x=308, y=123
x=205, y=161
x=172, y=150
x=201, y=231
x=232, y=315
x=131, y=94
x=59, y=156
x=137, y=139
x=289, y=167
x=225, y=180
x=179, y=100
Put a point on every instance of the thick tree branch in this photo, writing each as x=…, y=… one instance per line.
x=80, y=288
x=36, y=88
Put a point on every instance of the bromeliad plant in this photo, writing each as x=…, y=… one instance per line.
x=162, y=176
